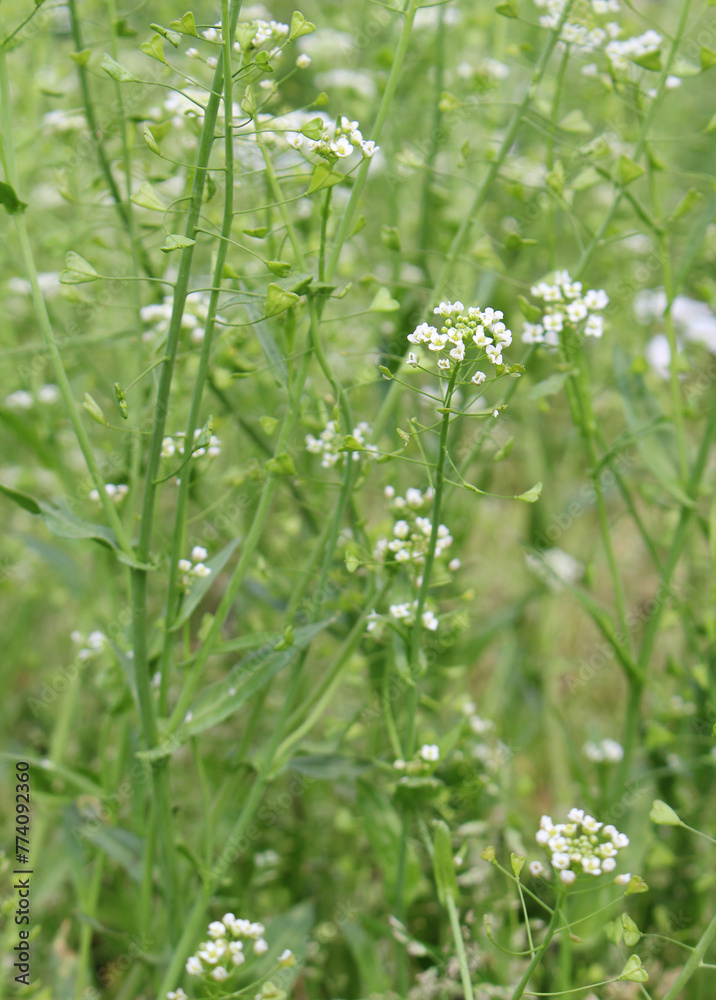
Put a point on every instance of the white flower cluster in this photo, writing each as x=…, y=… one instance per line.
x=581, y=842
x=565, y=304
x=91, y=644
x=174, y=445
x=586, y=32
x=424, y=758
x=329, y=443
x=226, y=948
x=116, y=493
x=267, y=32
x=196, y=309
x=194, y=568
x=606, y=752
x=461, y=328
x=59, y=121
x=620, y=52
x=23, y=400
x=412, y=530
x=336, y=142
x=404, y=613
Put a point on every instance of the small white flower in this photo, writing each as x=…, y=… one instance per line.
x=623, y=879
x=430, y=752
x=198, y=554
x=608, y=865
x=560, y=860
x=430, y=621
x=413, y=359
x=260, y=947
x=454, y=565
x=567, y=876
x=177, y=995
x=478, y=378
x=369, y=148
x=219, y=973
x=303, y=61
x=672, y=82
x=286, y=959
x=201, y=570
x=536, y=868
x=48, y=394
x=216, y=929
x=194, y=966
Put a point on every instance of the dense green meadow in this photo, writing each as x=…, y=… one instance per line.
x=357, y=469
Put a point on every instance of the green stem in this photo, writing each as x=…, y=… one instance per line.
x=346, y=222
x=180, y=518
x=693, y=963
x=43, y=318
x=537, y=957
x=460, y=948
x=124, y=209
x=482, y=194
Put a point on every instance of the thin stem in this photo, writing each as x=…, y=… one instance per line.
x=44, y=322
x=460, y=948
x=180, y=519
x=693, y=963
x=537, y=957
x=346, y=222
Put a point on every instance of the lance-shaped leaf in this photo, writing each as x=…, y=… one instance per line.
x=443, y=863
x=218, y=701
x=201, y=585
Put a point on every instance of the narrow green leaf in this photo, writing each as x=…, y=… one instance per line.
x=220, y=700
x=690, y=199
x=67, y=525
x=257, y=233
x=23, y=500
x=443, y=863
x=201, y=586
